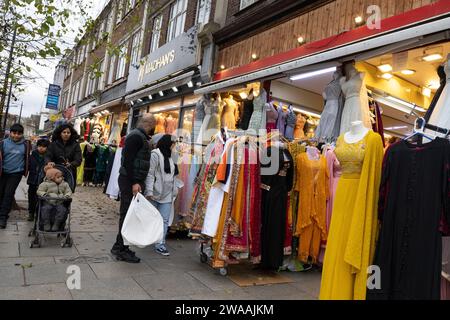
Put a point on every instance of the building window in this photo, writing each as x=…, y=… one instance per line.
x=119, y=11
x=101, y=79
x=135, y=46
x=246, y=3
x=109, y=22
x=122, y=61
x=156, y=33
x=177, y=19
x=111, y=69
x=91, y=84
x=203, y=12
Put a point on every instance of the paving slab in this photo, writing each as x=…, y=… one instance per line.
x=93, y=247
x=236, y=294
x=17, y=261
x=11, y=276
x=214, y=281
x=164, y=286
x=120, y=269
x=89, y=258
x=36, y=292
x=9, y=250
x=42, y=274
x=273, y=292
x=175, y=264
x=110, y=289
x=47, y=249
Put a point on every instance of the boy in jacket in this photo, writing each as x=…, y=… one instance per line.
x=36, y=164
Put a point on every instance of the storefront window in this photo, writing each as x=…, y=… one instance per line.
x=187, y=124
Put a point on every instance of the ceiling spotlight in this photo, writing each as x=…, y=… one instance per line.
x=150, y=96
x=385, y=67
x=175, y=89
x=132, y=103
x=358, y=20
x=190, y=84
x=408, y=72
x=387, y=76
x=254, y=56
x=432, y=57
x=198, y=84
x=222, y=67
x=140, y=100
x=301, y=40
x=161, y=94
x=426, y=92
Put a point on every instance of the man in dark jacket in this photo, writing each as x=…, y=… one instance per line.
x=36, y=163
x=14, y=155
x=133, y=172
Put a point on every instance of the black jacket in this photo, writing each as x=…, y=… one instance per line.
x=36, y=163
x=58, y=153
x=135, y=162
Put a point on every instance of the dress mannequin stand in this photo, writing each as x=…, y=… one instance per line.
x=357, y=132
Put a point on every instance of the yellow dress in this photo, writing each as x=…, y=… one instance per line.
x=353, y=230
x=80, y=169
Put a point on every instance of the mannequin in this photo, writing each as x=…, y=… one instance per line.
x=115, y=130
x=357, y=132
x=272, y=116
x=211, y=122
x=441, y=113
x=299, y=126
x=160, y=123
x=230, y=113
x=171, y=124
x=199, y=114
x=77, y=125
x=258, y=118
x=331, y=95
x=356, y=105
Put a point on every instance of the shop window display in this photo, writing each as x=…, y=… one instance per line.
x=167, y=122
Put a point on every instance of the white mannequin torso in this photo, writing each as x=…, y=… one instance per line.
x=357, y=132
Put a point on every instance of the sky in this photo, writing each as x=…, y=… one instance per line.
x=33, y=97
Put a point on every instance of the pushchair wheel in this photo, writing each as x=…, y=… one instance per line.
x=32, y=233
x=67, y=242
x=35, y=244
x=223, y=271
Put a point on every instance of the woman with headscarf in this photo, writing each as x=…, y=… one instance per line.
x=65, y=149
x=160, y=183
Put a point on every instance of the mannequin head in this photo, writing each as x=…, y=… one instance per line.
x=337, y=74
x=350, y=70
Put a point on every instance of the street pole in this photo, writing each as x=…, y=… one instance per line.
x=20, y=115
x=5, y=83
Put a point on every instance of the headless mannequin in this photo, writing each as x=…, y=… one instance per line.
x=357, y=132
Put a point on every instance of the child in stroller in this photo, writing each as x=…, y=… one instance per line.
x=53, y=211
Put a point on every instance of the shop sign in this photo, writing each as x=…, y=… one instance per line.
x=55, y=117
x=177, y=55
x=53, y=97
x=69, y=113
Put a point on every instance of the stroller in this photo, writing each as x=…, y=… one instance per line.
x=38, y=229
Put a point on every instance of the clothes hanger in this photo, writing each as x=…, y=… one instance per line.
x=419, y=132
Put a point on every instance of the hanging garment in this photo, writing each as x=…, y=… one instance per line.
x=352, y=235
x=230, y=114
x=113, y=184
x=89, y=163
x=272, y=117
x=356, y=107
x=275, y=189
x=160, y=124
x=441, y=113
x=101, y=162
x=110, y=163
x=183, y=200
x=332, y=95
x=312, y=184
x=414, y=195
x=199, y=115
x=378, y=125
x=247, y=114
x=299, y=132
x=281, y=121
x=171, y=124
x=80, y=169
x=87, y=130
x=291, y=120
x=114, y=136
x=258, y=119
x=77, y=125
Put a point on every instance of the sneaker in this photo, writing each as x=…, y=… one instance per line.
x=163, y=251
x=127, y=256
x=2, y=224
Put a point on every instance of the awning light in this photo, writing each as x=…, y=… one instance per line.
x=312, y=74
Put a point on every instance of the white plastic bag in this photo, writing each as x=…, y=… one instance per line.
x=143, y=224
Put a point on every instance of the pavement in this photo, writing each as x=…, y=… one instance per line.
x=46, y=273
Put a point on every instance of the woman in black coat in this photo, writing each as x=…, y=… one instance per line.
x=65, y=149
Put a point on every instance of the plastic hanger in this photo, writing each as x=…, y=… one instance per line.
x=419, y=132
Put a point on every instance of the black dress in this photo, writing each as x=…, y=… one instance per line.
x=275, y=189
x=248, y=111
x=414, y=199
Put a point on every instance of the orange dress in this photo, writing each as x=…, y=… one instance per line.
x=312, y=184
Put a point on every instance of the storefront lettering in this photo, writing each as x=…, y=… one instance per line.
x=152, y=66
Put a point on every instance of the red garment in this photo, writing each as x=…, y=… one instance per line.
x=271, y=127
x=122, y=142
x=255, y=207
x=289, y=234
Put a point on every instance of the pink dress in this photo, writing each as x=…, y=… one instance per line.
x=334, y=169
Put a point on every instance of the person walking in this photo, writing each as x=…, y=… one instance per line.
x=36, y=164
x=65, y=149
x=135, y=164
x=160, y=183
x=14, y=157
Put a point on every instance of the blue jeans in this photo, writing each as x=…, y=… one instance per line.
x=165, y=210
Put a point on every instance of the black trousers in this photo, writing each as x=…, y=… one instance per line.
x=53, y=213
x=126, y=196
x=32, y=198
x=8, y=186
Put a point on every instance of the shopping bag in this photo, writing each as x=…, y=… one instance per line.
x=143, y=224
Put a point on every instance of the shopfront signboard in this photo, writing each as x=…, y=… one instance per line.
x=175, y=56
x=53, y=97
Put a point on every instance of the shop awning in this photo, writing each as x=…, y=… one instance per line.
x=358, y=42
x=173, y=82
x=106, y=105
